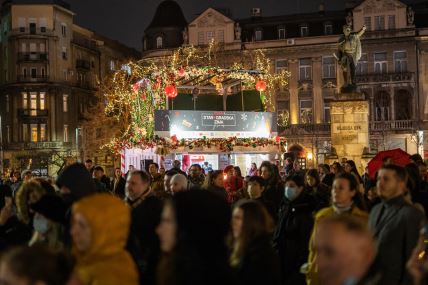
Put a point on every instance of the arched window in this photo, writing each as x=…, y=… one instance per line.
x=403, y=105
x=382, y=104
x=159, y=42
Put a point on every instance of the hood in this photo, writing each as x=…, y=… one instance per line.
x=78, y=179
x=109, y=219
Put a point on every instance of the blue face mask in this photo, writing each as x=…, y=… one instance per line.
x=41, y=225
x=291, y=193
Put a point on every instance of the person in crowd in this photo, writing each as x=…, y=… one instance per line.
x=293, y=231
x=423, y=170
x=143, y=244
x=346, y=200
x=336, y=168
x=243, y=192
x=162, y=171
x=288, y=166
x=13, y=232
x=207, y=167
x=99, y=246
x=179, y=183
x=253, y=171
x=156, y=179
x=89, y=165
x=36, y=265
x=26, y=175
x=176, y=166
x=196, y=178
x=326, y=176
x=232, y=182
x=167, y=181
x=16, y=182
x=346, y=252
x=320, y=191
x=118, y=184
x=214, y=182
x=97, y=175
x=415, y=158
x=273, y=186
x=256, y=187
x=413, y=192
x=395, y=224
x=192, y=233
x=48, y=220
x=252, y=255
x=350, y=167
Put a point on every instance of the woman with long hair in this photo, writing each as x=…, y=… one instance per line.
x=351, y=167
x=252, y=255
x=253, y=170
x=336, y=168
x=273, y=186
x=214, y=182
x=346, y=200
x=319, y=190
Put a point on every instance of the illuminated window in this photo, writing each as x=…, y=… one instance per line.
x=281, y=33
x=380, y=62
x=159, y=42
x=33, y=132
x=368, y=23
x=65, y=103
x=65, y=133
x=24, y=132
x=33, y=103
x=304, y=31
x=305, y=69
x=42, y=100
x=363, y=64
x=64, y=29
x=43, y=132
x=24, y=100
x=258, y=35
x=400, y=61
x=328, y=67
x=220, y=36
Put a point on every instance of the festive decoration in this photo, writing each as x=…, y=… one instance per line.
x=261, y=86
x=132, y=95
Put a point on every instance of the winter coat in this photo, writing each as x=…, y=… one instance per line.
x=291, y=238
x=232, y=185
x=118, y=187
x=270, y=207
x=106, y=262
x=274, y=195
x=220, y=191
x=14, y=233
x=260, y=264
x=312, y=274
x=322, y=195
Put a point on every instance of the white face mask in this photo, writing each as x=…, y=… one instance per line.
x=291, y=193
x=41, y=224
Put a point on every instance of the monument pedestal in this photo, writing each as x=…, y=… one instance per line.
x=350, y=126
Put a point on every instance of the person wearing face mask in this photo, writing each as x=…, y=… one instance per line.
x=295, y=222
x=346, y=200
x=49, y=214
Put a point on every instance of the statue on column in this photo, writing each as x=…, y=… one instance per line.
x=410, y=16
x=237, y=32
x=348, y=55
x=185, y=36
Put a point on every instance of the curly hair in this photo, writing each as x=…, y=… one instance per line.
x=23, y=200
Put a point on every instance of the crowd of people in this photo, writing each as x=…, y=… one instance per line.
x=327, y=226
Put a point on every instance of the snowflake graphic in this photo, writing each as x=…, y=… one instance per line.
x=244, y=117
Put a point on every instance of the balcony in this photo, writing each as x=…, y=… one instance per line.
x=86, y=43
x=37, y=145
x=403, y=125
x=297, y=129
x=385, y=77
x=29, y=78
x=83, y=64
x=32, y=113
x=32, y=56
x=25, y=31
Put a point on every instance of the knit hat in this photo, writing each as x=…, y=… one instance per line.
x=78, y=180
x=52, y=207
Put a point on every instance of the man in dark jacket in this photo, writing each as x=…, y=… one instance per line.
x=143, y=243
x=395, y=224
x=292, y=234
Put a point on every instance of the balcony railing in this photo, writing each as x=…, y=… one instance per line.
x=32, y=56
x=29, y=78
x=32, y=113
x=325, y=128
x=39, y=31
x=87, y=43
x=83, y=64
x=385, y=77
x=37, y=145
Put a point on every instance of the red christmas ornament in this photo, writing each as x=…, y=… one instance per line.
x=278, y=139
x=136, y=87
x=174, y=138
x=171, y=91
x=261, y=85
x=181, y=72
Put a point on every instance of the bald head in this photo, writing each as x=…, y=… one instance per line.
x=178, y=183
x=345, y=249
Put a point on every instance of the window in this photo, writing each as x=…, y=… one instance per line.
x=33, y=103
x=63, y=29
x=43, y=72
x=381, y=104
x=65, y=133
x=64, y=52
x=210, y=36
x=380, y=62
x=201, y=38
x=42, y=132
x=7, y=104
x=23, y=47
x=220, y=36
x=159, y=42
x=8, y=134
x=391, y=22
x=281, y=64
x=112, y=65
x=400, y=61
x=21, y=24
x=24, y=132
x=42, y=48
x=65, y=103
x=65, y=74
x=24, y=72
x=328, y=29
x=43, y=24
x=379, y=23
x=42, y=100
x=258, y=35
x=368, y=23
x=363, y=64
x=33, y=132
x=33, y=47
x=304, y=31
x=328, y=67
x=33, y=72
x=24, y=100
x=281, y=33
x=32, y=28
x=305, y=111
x=327, y=114
x=305, y=69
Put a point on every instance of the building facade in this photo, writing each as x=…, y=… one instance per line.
x=50, y=70
x=391, y=73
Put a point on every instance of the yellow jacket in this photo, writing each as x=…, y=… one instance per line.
x=106, y=262
x=312, y=271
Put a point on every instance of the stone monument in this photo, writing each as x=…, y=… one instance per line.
x=349, y=110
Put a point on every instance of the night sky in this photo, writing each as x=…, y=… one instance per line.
x=125, y=20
